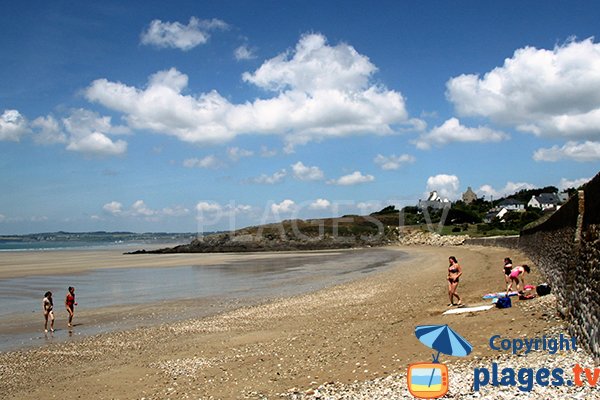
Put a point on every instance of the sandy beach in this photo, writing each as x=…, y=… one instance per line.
x=354, y=332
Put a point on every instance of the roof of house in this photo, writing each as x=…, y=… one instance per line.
x=547, y=198
x=510, y=202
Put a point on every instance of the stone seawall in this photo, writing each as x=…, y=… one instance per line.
x=566, y=249
x=510, y=242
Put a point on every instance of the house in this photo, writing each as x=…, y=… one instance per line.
x=469, y=196
x=512, y=205
x=434, y=201
x=545, y=201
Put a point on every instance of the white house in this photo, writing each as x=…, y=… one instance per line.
x=544, y=201
x=512, y=205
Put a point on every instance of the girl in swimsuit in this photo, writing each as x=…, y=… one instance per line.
x=517, y=274
x=454, y=272
x=70, y=304
x=507, y=269
x=47, y=306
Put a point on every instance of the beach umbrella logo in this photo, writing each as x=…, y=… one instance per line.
x=430, y=380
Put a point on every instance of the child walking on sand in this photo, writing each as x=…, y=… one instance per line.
x=47, y=306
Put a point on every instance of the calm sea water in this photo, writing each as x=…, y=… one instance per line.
x=203, y=287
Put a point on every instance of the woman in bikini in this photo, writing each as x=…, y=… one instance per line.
x=517, y=274
x=507, y=269
x=47, y=306
x=454, y=272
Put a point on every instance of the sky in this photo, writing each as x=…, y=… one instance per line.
x=192, y=116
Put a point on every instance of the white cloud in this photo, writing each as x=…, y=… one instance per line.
x=305, y=173
x=550, y=93
x=270, y=179
x=244, y=53
x=572, y=183
x=98, y=144
x=12, y=126
x=285, y=207
x=266, y=152
x=48, y=131
x=319, y=91
x=140, y=208
x=509, y=189
x=583, y=152
x=446, y=185
x=354, y=178
x=88, y=133
x=235, y=153
x=208, y=207
x=209, y=161
x=179, y=36
x=114, y=208
x=320, y=204
x=452, y=131
x=393, y=162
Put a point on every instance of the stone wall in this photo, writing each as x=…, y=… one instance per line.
x=510, y=242
x=566, y=249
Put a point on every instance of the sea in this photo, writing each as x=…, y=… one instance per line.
x=127, y=298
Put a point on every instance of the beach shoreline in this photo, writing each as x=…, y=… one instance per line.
x=353, y=332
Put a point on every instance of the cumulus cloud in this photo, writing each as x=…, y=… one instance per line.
x=48, y=131
x=453, y=131
x=88, y=133
x=236, y=153
x=510, y=188
x=354, y=178
x=316, y=91
x=572, y=183
x=445, y=185
x=140, y=209
x=264, y=179
x=244, y=53
x=583, y=152
x=393, y=162
x=550, y=93
x=209, y=161
x=114, y=208
x=12, y=126
x=179, y=36
x=285, y=207
x=320, y=204
x=305, y=173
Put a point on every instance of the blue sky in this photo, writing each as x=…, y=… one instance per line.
x=192, y=116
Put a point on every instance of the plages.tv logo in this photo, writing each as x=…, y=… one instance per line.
x=429, y=380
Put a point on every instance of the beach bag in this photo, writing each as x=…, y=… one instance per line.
x=503, y=302
x=543, y=289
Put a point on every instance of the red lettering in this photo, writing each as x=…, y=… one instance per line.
x=577, y=370
x=592, y=379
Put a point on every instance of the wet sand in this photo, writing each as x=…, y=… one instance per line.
x=355, y=331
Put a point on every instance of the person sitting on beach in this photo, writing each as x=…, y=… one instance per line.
x=516, y=274
x=507, y=269
x=454, y=272
x=47, y=306
x=70, y=304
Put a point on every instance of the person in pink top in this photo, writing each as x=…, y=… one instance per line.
x=517, y=274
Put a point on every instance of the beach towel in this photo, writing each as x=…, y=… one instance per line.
x=467, y=309
x=498, y=295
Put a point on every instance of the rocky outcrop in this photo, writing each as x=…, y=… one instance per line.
x=418, y=237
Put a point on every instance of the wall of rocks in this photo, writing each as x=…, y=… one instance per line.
x=566, y=249
x=510, y=242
